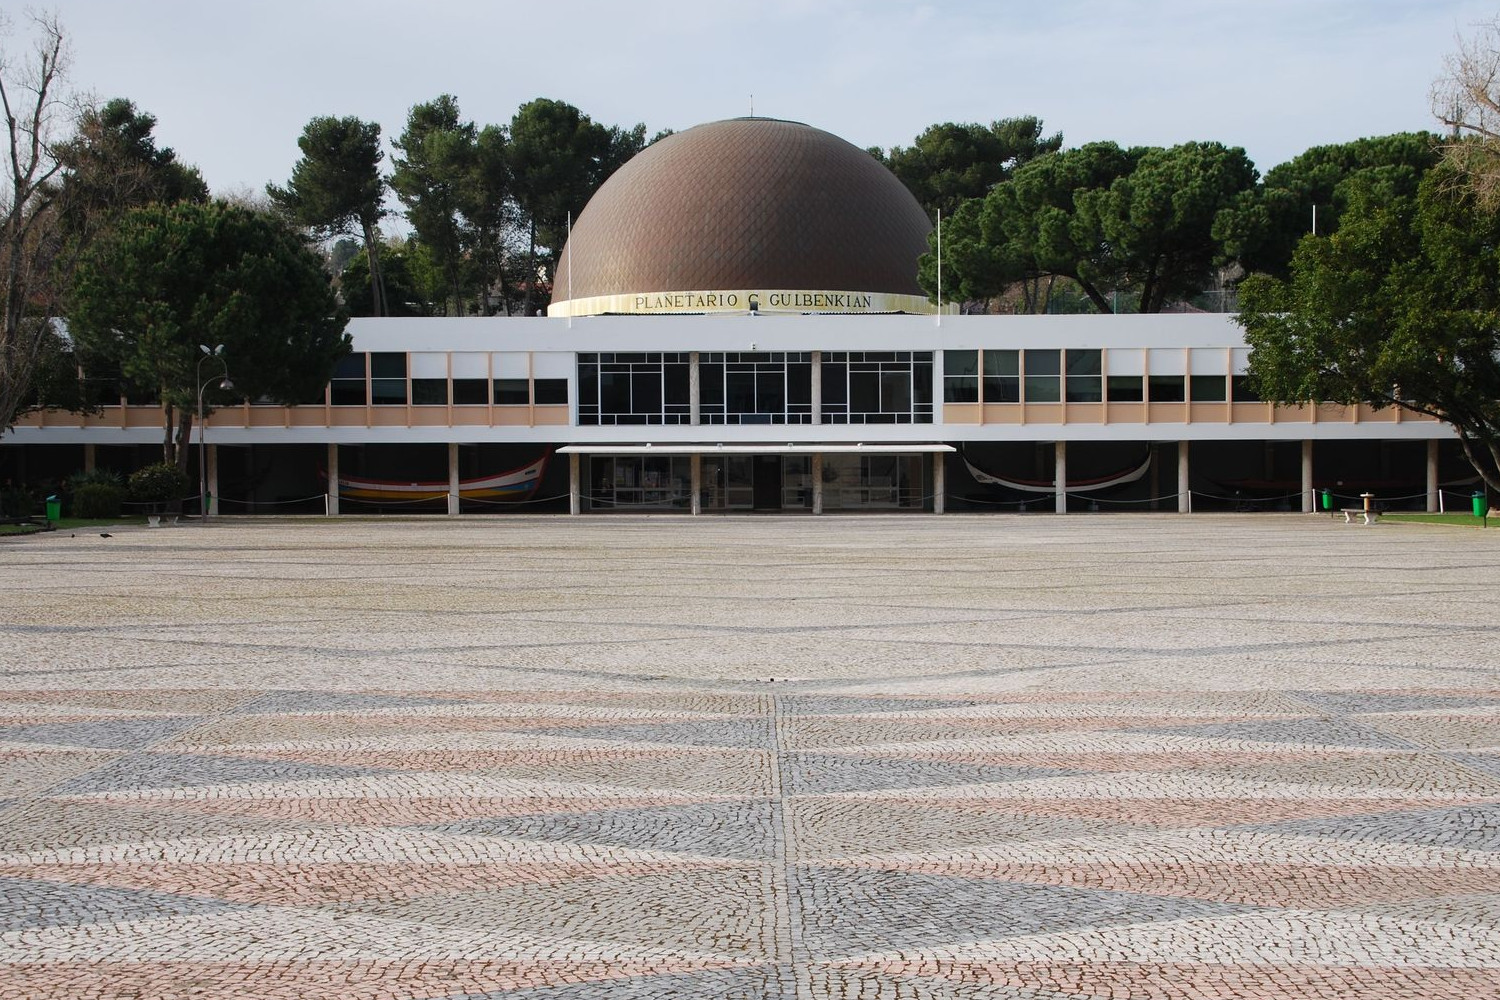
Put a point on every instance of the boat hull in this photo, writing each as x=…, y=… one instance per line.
x=512, y=485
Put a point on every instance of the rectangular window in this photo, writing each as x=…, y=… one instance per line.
x=1043, y=369
x=895, y=392
x=550, y=391
x=1002, y=376
x=388, y=378
x=1084, y=383
x=471, y=391
x=388, y=364
x=429, y=391
x=511, y=392
x=799, y=386
x=1243, y=391
x=347, y=387
x=864, y=391
x=1084, y=362
x=1166, y=389
x=960, y=376
x=1207, y=388
x=645, y=392
x=1126, y=389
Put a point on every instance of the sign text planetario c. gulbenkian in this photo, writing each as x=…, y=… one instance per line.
x=741, y=300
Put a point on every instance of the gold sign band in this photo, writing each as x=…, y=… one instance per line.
x=765, y=300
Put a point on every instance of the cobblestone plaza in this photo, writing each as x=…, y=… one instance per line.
x=871, y=757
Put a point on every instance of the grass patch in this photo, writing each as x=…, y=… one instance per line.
x=1464, y=520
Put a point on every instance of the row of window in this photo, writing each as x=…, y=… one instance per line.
x=1073, y=376
x=388, y=385
x=755, y=388
x=773, y=387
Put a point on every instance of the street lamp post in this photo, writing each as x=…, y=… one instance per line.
x=217, y=353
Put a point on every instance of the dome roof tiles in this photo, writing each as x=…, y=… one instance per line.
x=751, y=203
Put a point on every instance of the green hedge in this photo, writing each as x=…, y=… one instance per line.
x=98, y=500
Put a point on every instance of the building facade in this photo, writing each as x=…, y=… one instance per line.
x=813, y=413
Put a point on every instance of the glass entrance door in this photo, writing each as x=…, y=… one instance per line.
x=767, y=482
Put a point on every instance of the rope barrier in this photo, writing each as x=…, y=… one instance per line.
x=271, y=503
x=515, y=503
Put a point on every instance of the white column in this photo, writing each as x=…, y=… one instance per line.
x=1060, y=476
x=1432, y=476
x=333, y=479
x=452, y=477
x=1184, y=496
x=817, y=388
x=695, y=392
x=1308, y=504
x=212, y=478
x=695, y=465
x=575, y=496
x=939, y=481
x=817, y=477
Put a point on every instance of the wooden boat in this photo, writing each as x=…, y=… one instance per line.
x=514, y=484
x=1073, y=485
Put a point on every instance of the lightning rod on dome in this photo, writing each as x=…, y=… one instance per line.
x=752, y=105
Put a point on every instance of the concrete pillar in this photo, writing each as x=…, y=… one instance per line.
x=575, y=495
x=88, y=458
x=1432, y=476
x=452, y=477
x=939, y=481
x=817, y=477
x=1184, y=493
x=211, y=477
x=1307, y=477
x=817, y=387
x=333, y=479
x=695, y=392
x=1060, y=476
x=695, y=465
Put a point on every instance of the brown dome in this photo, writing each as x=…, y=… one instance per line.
x=746, y=205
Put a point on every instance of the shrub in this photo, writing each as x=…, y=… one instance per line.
x=106, y=477
x=98, y=500
x=162, y=483
x=16, y=501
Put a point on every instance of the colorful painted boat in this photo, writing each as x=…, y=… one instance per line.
x=1073, y=485
x=514, y=484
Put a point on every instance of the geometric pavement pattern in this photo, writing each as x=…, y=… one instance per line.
x=752, y=839
x=1198, y=845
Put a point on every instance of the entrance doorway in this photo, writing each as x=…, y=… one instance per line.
x=767, y=482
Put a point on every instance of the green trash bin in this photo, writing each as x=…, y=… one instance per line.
x=1481, y=505
x=54, y=509
x=1327, y=500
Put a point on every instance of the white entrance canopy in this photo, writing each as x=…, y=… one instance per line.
x=754, y=449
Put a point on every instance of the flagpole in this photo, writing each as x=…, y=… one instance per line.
x=569, y=243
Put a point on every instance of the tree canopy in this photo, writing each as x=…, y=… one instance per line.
x=169, y=278
x=433, y=176
x=559, y=157
x=949, y=163
x=336, y=188
x=1110, y=219
x=1262, y=229
x=1399, y=307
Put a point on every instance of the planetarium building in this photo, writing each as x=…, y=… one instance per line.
x=736, y=325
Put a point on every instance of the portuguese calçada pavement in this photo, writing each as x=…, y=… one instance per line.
x=658, y=757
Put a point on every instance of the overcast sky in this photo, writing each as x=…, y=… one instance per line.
x=233, y=84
